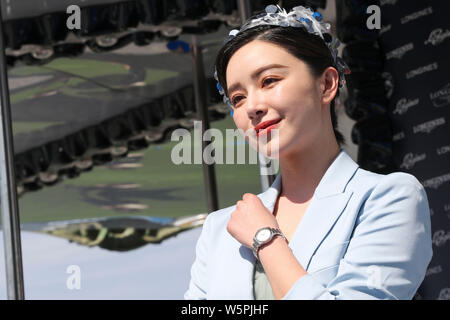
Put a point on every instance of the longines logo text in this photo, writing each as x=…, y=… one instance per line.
x=436, y=182
x=444, y=294
x=399, y=52
x=398, y=136
x=447, y=207
x=403, y=105
x=429, y=125
x=443, y=150
x=430, y=67
x=409, y=160
x=385, y=2
x=385, y=29
x=433, y=270
x=416, y=15
x=440, y=238
x=441, y=97
x=437, y=36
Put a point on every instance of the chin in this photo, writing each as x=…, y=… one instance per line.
x=272, y=149
x=270, y=146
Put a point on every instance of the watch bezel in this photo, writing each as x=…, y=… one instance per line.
x=260, y=231
x=257, y=244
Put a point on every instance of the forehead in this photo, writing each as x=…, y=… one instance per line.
x=254, y=55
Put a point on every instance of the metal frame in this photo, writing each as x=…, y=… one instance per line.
x=8, y=189
x=209, y=173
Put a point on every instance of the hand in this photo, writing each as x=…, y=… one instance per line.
x=249, y=216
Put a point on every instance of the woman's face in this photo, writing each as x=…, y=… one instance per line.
x=288, y=92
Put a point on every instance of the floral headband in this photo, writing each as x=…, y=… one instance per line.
x=298, y=17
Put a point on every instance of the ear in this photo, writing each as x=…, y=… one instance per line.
x=329, y=84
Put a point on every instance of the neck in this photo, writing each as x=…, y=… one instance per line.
x=303, y=170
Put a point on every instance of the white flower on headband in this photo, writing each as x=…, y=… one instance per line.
x=298, y=17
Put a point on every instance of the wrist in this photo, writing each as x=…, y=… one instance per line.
x=265, y=236
x=273, y=246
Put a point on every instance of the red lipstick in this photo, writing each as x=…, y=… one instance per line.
x=266, y=126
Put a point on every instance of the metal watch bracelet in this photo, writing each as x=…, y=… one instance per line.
x=256, y=245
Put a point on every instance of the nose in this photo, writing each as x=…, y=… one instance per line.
x=256, y=106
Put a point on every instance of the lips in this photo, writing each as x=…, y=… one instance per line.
x=266, y=124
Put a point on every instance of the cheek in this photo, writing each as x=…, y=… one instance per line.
x=240, y=119
x=297, y=99
x=289, y=95
x=279, y=95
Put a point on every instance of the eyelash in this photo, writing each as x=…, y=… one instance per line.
x=264, y=81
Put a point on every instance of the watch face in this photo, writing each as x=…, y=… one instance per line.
x=263, y=235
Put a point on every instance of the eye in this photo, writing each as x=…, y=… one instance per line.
x=235, y=100
x=268, y=79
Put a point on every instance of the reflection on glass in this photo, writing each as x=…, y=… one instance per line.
x=117, y=234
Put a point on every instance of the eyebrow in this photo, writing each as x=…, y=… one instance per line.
x=254, y=75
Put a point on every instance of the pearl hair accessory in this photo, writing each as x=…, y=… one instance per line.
x=299, y=17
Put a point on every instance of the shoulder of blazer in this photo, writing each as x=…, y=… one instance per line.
x=365, y=181
x=218, y=219
x=374, y=189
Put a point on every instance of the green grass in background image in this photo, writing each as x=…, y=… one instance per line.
x=152, y=186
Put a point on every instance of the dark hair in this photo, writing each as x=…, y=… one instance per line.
x=309, y=48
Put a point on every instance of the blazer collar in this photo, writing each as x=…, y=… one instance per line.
x=333, y=181
x=327, y=204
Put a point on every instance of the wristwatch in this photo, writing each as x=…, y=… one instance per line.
x=263, y=236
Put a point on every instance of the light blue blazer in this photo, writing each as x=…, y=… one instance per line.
x=363, y=236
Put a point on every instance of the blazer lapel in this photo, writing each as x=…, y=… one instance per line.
x=317, y=221
x=327, y=204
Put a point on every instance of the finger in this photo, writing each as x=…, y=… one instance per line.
x=247, y=195
x=252, y=197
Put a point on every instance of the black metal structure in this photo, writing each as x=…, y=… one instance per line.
x=8, y=190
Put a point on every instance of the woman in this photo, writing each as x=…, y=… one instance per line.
x=325, y=229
